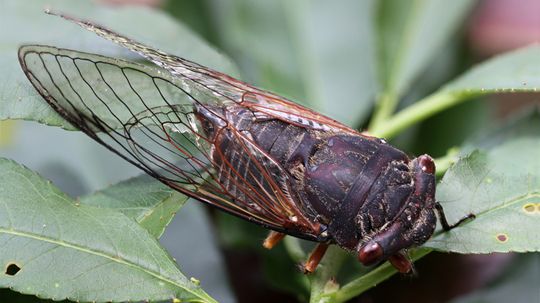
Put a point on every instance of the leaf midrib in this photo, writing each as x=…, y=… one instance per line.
x=511, y=202
x=504, y=204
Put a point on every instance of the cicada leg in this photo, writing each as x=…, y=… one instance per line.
x=444, y=222
x=272, y=239
x=402, y=263
x=315, y=258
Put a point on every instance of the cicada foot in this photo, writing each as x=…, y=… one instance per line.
x=314, y=258
x=402, y=263
x=444, y=221
x=273, y=239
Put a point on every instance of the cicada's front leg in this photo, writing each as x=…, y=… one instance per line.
x=444, y=221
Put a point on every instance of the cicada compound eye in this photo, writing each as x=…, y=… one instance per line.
x=370, y=253
x=427, y=164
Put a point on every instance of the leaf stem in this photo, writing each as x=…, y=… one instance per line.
x=369, y=280
x=323, y=279
x=419, y=111
x=386, y=105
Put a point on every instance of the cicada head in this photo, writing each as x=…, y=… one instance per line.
x=412, y=227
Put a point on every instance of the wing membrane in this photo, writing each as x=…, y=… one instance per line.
x=148, y=117
x=223, y=85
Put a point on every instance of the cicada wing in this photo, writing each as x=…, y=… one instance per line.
x=149, y=117
x=223, y=85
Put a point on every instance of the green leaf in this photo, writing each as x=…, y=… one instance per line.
x=194, y=14
x=144, y=199
x=410, y=34
x=364, y=282
x=18, y=100
x=516, y=71
x=318, y=53
x=522, y=125
x=256, y=34
x=519, y=284
x=502, y=188
x=66, y=250
x=335, y=48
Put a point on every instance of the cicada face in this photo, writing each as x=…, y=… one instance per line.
x=413, y=224
x=241, y=149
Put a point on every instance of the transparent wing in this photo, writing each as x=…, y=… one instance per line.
x=149, y=117
x=223, y=85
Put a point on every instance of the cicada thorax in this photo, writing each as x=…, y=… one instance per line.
x=370, y=192
x=358, y=185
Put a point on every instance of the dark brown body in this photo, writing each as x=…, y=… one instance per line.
x=359, y=189
x=251, y=153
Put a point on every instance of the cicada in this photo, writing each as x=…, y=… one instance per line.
x=244, y=150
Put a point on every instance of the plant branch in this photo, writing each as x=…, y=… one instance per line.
x=323, y=281
x=386, y=105
x=369, y=280
x=420, y=111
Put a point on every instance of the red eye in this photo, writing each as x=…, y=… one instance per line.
x=427, y=164
x=370, y=253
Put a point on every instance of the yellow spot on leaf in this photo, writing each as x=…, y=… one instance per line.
x=176, y=300
x=489, y=180
x=502, y=238
x=529, y=207
x=7, y=130
x=195, y=281
x=532, y=208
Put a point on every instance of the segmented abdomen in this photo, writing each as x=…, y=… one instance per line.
x=240, y=162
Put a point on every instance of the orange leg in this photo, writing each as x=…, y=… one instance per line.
x=272, y=239
x=315, y=257
x=402, y=263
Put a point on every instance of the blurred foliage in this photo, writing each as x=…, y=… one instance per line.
x=349, y=60
x=517, y=284
x=149, y=202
